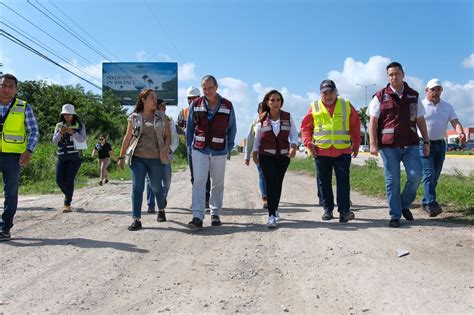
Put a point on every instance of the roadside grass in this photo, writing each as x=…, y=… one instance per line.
x=455, y=193
x=38, y=177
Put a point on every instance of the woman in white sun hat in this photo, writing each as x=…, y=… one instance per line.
x=70, y=137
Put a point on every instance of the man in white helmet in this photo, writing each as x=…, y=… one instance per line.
x=192, y=93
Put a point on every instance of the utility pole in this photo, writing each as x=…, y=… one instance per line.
x=366, y=105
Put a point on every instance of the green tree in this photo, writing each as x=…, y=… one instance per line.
x=364, y=120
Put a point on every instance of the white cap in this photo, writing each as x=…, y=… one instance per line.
x=433, y=83
x=68, y=109
x=193, y=92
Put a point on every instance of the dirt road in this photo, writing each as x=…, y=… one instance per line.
x=87, y=261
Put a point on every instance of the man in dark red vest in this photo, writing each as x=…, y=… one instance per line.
x=395, y=112
x=210, y=135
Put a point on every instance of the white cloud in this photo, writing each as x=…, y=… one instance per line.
x=461, y=96
x=141, y=56
x=186, y=72
x=164, y=57
x=469, y=61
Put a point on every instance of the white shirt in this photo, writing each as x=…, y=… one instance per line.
x=293, y=136
x=437, y=118
x=374, y=106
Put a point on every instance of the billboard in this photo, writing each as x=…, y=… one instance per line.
x=127, y=79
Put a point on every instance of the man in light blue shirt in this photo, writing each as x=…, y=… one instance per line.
x=210, y=135
x=438, y=114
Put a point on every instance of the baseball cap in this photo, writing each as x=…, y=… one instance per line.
x=327, y=85
x=433, y=83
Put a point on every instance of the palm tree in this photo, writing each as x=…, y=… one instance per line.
x=364, y=120
x=150, y=82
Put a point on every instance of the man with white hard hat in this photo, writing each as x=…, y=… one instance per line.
x=437, y=115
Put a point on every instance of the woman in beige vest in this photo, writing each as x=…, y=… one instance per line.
x=145, y=148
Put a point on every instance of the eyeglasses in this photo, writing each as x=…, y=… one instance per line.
x=101, y=139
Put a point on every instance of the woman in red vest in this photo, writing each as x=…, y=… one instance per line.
x=275, y=143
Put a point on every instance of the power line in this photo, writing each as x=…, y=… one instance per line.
x=64, y=28
x=44, y=46
x=27, y=47
x=164, y=31
x=92, y=37
x=39, y=28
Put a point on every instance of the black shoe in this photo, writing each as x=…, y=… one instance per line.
x=5, y=236
x=327, y=216
x=215, y=220
x=161, y=216
x=151, y=210
x=195, y=223
x=106, y=181
x=135, y=226
x=100, y=183
x=394, y=223
x=346, y=217
x=426, y=208
x=434, y=209
x=407, y=214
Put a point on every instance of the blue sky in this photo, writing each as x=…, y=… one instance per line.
x=251, y=46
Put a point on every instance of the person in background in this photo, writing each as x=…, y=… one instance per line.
x=248, y=150
x=438, y=113
x=146, y=147
x=17, y=122
x=210, y=135
x=331, y=131
x=104, y=151
x=395, y=112
x=67, y=133
x=166, y=183
x=276, y=141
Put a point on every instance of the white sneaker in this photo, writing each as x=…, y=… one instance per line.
x=271, y=222
x=277, y=216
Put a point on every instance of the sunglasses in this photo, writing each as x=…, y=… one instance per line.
x=101, y=139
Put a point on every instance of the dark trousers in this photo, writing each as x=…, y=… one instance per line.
x=341, y=165
x=66, y=172
x=10, y=168
x=432, y=166
x=274, y=169
x=208, y=183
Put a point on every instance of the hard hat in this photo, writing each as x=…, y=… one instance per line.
x=193, y=92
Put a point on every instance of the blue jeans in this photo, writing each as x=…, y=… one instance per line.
x=261, y=181
x=10, y=168
x=150, y=196
x=139, y=168
x=391, y=158
x=66, y=172
x=341, y=165
x=432, y=166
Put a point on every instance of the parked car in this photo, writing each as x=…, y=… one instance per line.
x=453, y=147
x=364, y=148
x=469, y=146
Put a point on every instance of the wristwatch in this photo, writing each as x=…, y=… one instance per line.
x=426, y=142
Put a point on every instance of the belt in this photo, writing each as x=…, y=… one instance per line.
x=436, y=141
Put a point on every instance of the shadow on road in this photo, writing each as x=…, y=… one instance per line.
x=78, y=242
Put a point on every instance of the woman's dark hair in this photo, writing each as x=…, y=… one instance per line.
x=259, y=108
x=143, y=95
x=265, y=109
x=75, y=119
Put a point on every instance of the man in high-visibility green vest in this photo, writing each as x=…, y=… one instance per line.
x=19, y=135
x=331, y=131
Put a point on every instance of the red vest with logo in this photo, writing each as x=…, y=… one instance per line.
x=397, y=120
x=214, y=132
x=271, y=144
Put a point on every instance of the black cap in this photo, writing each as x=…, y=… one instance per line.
x=161, y=101
x=327, y=85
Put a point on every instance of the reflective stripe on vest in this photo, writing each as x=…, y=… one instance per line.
x=331, y=130
x=14, y=130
